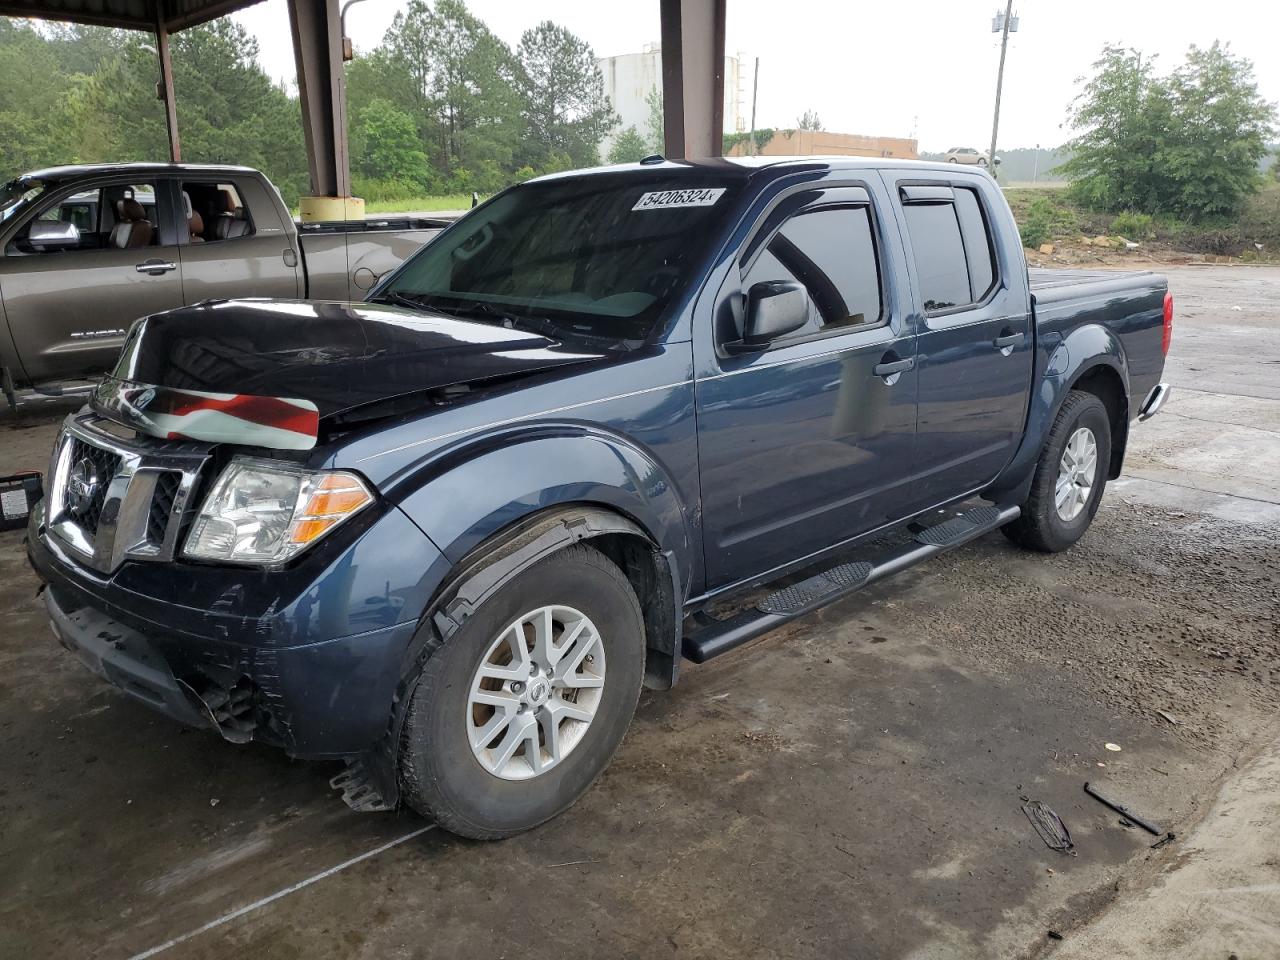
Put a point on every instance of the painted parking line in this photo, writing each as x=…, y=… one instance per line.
x=279, y=894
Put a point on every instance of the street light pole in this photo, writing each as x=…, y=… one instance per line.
x=995, y=122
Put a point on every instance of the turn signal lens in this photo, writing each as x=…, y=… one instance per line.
x=1168, y=324
x=266, y=511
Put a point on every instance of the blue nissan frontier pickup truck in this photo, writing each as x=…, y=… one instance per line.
x=447, y=535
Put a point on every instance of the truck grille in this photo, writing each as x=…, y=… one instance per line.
x=92, y=469
x=114, y=499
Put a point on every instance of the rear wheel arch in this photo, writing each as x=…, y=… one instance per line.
x=1106, y=383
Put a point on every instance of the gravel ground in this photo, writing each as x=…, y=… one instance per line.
x=849, y=786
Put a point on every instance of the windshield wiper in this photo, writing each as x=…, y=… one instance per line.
x=398, y=299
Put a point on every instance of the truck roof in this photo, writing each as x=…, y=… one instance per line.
x=77, y=171
x=746, y=167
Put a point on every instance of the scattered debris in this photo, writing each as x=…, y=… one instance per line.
x=1167, y=838
x=1046, y=248
x=213, y=801
x=1123, y=810
x=1170, y=717
x=1054, y=935
x=1113, y=747
x=572, y=863
x=1049, y=826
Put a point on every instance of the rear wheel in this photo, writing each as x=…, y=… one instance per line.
x=1069, y=478
x=516, y=716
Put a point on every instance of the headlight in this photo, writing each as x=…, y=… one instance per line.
x=264, y=511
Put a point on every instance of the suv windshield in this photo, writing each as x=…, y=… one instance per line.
x=14, y=193
x=600, y=256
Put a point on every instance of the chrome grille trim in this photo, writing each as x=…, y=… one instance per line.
x=125, y=527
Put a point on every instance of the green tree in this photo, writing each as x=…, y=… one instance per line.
x=464, y=81
x=1186, y=144
x=656, y=125
x=809, y=121
x=391, y=147
x=565, y=107
x=1221, y=127
x=629, y=147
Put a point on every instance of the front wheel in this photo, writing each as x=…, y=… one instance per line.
x=519, y=712
x=1069, y=478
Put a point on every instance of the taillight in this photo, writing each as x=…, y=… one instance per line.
x=1168, y=324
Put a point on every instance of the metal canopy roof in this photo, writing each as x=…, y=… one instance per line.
x=129, y=14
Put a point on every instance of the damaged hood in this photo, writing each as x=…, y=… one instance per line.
x=265, y=372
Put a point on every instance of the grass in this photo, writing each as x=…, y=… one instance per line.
x=1259, y=222
x=453, y=201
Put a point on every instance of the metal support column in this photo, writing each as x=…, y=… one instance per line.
x=317, y=48
x=164, y=88
x=693, y=77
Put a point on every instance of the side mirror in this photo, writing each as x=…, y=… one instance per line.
x=46, y=235
x=774, y=309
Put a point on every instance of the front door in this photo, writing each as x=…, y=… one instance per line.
x=975, y=350
x=69, y=308
x=807, y=443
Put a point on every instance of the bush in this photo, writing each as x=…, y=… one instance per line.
x=1044, y=220
x=374, y=190
x=1134, y=226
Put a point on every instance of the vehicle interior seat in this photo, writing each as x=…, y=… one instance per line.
x=232, y=221
x=132, y=229
x=195, y=222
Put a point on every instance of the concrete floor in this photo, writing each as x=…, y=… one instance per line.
x=850, y=786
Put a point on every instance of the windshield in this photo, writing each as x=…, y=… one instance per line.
x=599, y=256
x=14, y=193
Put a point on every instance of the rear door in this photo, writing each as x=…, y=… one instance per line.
x=235, y=241
x=975, y=349
x=69, y=309
x=803, y=445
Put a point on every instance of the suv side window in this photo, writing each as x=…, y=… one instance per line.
x=215, y=211
x=951, y=243
x=831, y=251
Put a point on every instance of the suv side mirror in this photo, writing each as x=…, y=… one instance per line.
x=774, y=309
x=46, y=235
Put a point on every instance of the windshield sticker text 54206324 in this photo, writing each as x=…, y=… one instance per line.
x=666, y=199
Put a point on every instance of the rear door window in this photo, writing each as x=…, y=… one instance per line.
x=952, y=250
x=215, y=211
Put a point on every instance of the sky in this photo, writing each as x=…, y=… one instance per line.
x=916, y=67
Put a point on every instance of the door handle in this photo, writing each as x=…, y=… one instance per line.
x=1007, y=341
x=156, y=267
x=890, y=369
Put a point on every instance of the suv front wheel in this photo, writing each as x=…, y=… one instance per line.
x=522, y=709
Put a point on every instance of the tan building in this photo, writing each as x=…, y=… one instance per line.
x=811, y=143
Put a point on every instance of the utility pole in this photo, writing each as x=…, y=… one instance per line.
x=755, y=86
x=1035, y=168
x=1004, y=24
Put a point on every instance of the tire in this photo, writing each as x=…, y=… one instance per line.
x=1042, y=525
x=475, y=793
x=953, y=160
x=982, y=161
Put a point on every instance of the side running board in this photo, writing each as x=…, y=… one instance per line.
x=709, y=637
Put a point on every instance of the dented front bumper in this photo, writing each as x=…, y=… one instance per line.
x=249, y=678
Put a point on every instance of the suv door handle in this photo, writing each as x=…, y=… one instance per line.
x=156, y=267
x=893, y=367
x=1005, y=341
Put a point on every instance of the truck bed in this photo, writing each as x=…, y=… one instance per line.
x=344, y=260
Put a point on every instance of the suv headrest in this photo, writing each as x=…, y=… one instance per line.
x=129, y=210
